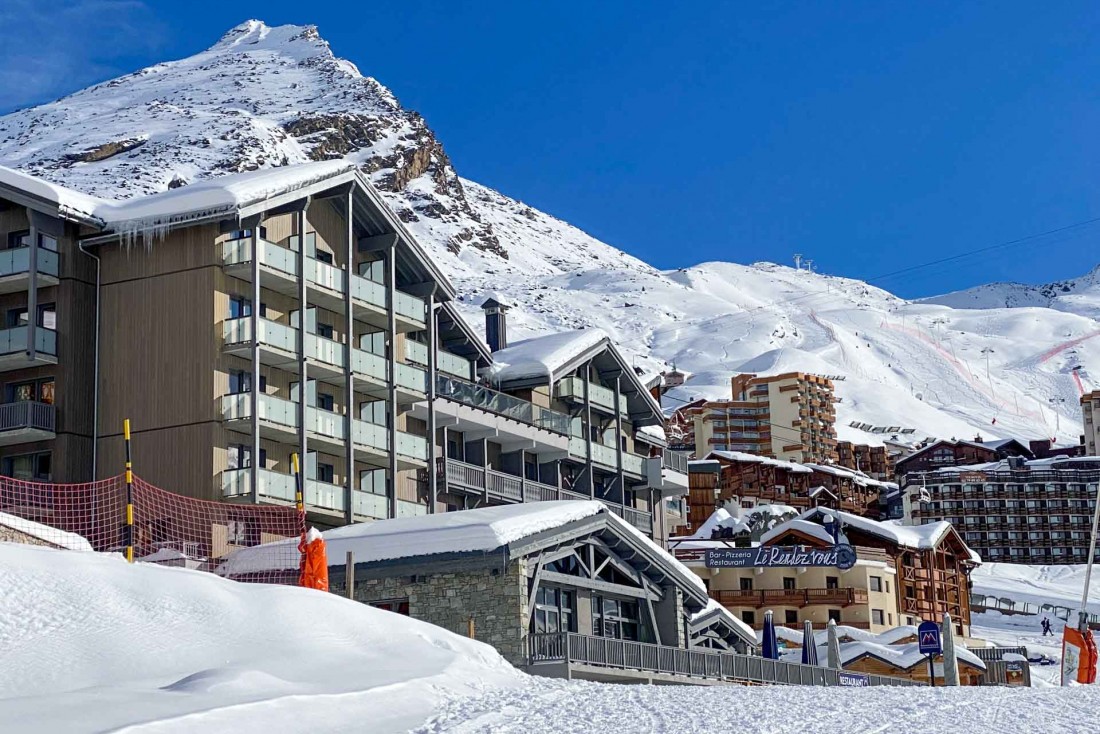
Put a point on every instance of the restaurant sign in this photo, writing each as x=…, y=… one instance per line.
x=840, y=556
x=972, y=477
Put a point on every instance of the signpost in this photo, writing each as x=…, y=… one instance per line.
x=776, y=556
x=928, y=638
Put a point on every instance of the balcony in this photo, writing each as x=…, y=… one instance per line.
x=15, y=267
x=278, y=343
x=320, y=497
x=790, y=597
x=278, y=265
x=278, y=418
x=369, y=301
x=640, y=519
x=606, y=457
x=447, y=363
x=372, y=441
x=469, y=478
x=602, y=398
x=502, y=404
x=14, y=343
x=26, y=421
x=668, y=472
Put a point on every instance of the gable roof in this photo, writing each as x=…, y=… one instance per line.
x=715, y=613
x=543, y=360
x=743, y=458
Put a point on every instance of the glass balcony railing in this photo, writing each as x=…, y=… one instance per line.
x=412, y=378
x=18, y=260
x=325, y=423
x=605, y=456
x=451, y=364
x=416, y=352
x=16, y=339
x=368, y=291
x=325, y=275
x=272, y=409
x=413, y=447
x=572, y=388
x=272, y=334
x=368, y=504
x=368, y=364
x=272, y=256
x=325, y=350
x=410, y=307
x=371, y=435
x=478, y=396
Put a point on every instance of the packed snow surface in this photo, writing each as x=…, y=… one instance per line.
x=92, y=643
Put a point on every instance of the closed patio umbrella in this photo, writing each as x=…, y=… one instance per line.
x=834, y=646
x=769, y=645
x=950, y=657
x=809, y=645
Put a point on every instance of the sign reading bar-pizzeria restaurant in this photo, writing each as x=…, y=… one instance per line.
x=781, y=556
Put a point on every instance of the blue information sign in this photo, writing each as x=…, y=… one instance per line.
x=928, y=635
x=853, y=680
x=776, y=556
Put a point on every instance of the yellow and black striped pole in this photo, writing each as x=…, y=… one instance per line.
x=299, y=499
x=129, y=494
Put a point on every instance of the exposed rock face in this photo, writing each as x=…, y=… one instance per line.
x=258, y=98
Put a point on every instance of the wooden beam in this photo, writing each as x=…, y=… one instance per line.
x=596, y=585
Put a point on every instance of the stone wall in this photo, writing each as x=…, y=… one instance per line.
x=497, y=604
x=11, y=535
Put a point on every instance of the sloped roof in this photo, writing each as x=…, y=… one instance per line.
x=744, y=458
x=715, y=610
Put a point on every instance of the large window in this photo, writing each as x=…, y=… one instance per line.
x=876, y=583
x=239, y=456
x=790, y=616
x=746, y=584
x=40, y=390
x=47, y=316
x=616, y=618
x=788, y=582
x=554, y=610
x=30, y=467
x=878, y=616
x=240, y=381
x=239, y=307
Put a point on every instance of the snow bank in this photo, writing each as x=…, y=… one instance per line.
x=92, y=643
x=59, y=538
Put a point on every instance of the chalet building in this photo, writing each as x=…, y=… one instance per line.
x=959, y=453
x=747, y=480
x=874, y=461
x=788, y=416
x=1090, y=413
x=902, y=575
x=241, y=320
x=1013, y=510
x=550, y=585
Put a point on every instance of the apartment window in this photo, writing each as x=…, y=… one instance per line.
x=788, y=582
x=834, y=614
x=239, y=307
x=244, y=234
x=398, y=606
x=240, y=381
x=324, y=330
x=40, y=390
x=790, y=616
x=322, y=255
x=324, y=473
x=554, y=610
x=325, y=401
x=890, y=619
x=616, y=618
x=454, y=448
x=878, y=616
x=746, y=584
x=239, y=456
x=373, y=411
x=47, y=316
x=29, y=467
x=876, y=583
x=748, y=617
x=373, y=481
x=19, y=239
x=832, y=582
x=887, y=583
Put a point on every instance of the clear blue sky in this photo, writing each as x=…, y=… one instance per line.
x=869, y=136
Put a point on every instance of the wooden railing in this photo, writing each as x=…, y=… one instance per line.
x=604, y=652
x=790, y=597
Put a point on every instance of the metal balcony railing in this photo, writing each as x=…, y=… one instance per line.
x=604, y=652
x=27, y=414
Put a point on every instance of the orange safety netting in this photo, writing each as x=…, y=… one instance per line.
x=168, y=528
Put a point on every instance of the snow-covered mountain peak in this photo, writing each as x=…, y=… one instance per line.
x=265, y=96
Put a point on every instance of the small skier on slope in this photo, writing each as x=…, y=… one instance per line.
x=1046, y=628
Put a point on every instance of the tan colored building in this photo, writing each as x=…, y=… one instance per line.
x=874, y=461
x=901, y=577
x=789, y=417
x=1090, y=413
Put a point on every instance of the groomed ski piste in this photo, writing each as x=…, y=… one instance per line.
x=93, y=644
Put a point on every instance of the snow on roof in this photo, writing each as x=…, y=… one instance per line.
x=156, y=212
x=483, y=529
x=919, y=537
x=53, y=536
x=803, y=526
x=883, y=646
x=716, y=608
x=1050, y=462
x=654, y=431
x=858, y=477
x=711, y=524
x=543, y=356
x=754, y=459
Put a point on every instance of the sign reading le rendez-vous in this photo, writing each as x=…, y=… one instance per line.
x=840, y=556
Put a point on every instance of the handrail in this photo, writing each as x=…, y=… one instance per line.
x=509, y=406
x=27, y=414
x=573, y=648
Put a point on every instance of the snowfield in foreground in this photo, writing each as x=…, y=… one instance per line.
x=92, y=644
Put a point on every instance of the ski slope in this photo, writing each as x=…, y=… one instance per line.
x=266, y=96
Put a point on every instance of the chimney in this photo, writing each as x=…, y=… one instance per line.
x=496, y=323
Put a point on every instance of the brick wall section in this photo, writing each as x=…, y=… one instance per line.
x=497, y=604
x=11, y=535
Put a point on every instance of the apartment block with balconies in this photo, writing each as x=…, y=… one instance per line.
x=47, y=290
x=1090, y=416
